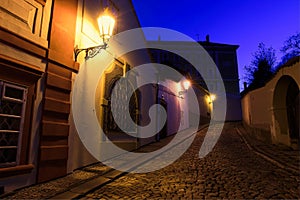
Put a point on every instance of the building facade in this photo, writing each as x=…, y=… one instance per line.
x=36, y=81
x=271, y=112
x=38, y=70
x=224, y=57
x=47, y=94
x=96, y=81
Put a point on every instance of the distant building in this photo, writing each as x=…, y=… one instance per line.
x=225, y=58
x=271, y=112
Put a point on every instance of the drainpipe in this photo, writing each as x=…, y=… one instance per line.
x=157, y=102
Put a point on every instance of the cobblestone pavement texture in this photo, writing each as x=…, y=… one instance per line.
x=231, y=171
x=54, y=187
x=284, y=155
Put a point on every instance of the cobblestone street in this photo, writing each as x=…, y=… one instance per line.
x=231, y=170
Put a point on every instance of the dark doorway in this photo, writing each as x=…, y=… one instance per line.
x=292, y=108
x=111, y=129
x=164, y=131
x=286, y=109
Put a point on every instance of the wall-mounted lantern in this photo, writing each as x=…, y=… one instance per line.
x=106, y=25
x=185, y=84
x=212, y=98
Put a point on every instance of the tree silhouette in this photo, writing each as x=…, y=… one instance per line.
x=291, y=48
x=261, y=67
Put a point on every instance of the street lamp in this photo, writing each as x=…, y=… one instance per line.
x=212, y=98
x=186, y=84
x=106, y=25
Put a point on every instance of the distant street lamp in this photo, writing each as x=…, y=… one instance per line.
x=186, y=84
x=106, y=25
x=212, y=98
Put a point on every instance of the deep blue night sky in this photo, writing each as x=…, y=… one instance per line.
x=245, y=23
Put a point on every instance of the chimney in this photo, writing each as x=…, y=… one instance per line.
x=245, y=85
x=207, y=38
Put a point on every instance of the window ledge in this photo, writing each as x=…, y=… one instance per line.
x=16, y=170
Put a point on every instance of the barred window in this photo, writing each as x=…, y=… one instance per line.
x=12, y=108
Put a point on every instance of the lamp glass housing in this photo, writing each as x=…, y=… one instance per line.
x=106, y=26
x=212, y=97
x=186, y=84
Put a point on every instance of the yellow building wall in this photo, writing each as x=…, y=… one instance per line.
x=258, y=108
x=87, y=35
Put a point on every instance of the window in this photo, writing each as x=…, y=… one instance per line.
x=12, y=109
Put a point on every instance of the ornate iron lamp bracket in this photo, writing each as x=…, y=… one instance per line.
x=90, y=52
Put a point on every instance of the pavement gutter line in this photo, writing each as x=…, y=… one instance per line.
x=265, y=156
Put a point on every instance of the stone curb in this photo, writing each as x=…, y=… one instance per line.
x=78, y=191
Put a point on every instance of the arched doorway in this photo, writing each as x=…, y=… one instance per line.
x=114, y=74
x=292, y=104
x=111, y=129
x=286, y=111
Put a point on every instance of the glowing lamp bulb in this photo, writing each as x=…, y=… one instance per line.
x=106, y=26
x=186, y=84
x=212, y=97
